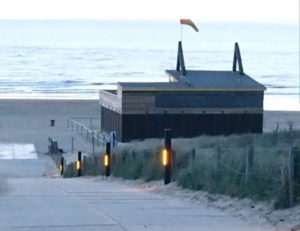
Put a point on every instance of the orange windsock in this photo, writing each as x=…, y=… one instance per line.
x=190, y=23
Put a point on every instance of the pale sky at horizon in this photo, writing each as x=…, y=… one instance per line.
x=282, y=11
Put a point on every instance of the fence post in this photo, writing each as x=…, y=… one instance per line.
x=218, y=163
x=249, y=163
x=283, y=200
x=293, y=175
x=168, y=152
x=72, y=144
x=297, y=172
x=84, y=163
x=193, y=154
x=93, y=142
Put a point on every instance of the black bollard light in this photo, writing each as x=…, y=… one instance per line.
x=106, y=160
x=79, y=164
x=61, y=166
x=167, y=156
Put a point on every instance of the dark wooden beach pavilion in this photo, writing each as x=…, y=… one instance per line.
x=192, y=103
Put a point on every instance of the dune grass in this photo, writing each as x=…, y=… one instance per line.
x=214, y=164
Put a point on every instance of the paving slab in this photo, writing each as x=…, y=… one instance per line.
x=41, y=200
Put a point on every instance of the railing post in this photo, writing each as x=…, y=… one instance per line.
x=93, y=142
x=72, y=145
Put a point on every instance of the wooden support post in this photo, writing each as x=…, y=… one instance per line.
x=249, y=163
x=297, y=173
x=193, y=156
x=93, y=142
x=91, y=123
x=84, y=163
x=72, y=145
x=107, y=159
x=79, y=164
x=293, y=175
x=168, y=162
x=219, y=157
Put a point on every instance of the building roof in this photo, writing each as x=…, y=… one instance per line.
x=216, y=80
x=153, y=86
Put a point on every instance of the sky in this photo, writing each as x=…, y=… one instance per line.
x=281, y=11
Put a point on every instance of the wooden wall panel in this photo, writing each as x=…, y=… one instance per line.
x=152, y=126
x=111, y=121
x=192, y=102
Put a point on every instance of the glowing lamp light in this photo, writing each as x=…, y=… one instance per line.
x=106, y=160
x=165, y=158
x=78, y=165
x=60, y=167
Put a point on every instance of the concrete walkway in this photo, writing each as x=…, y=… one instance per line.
x=38, y=200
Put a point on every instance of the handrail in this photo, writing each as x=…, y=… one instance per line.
x=97, y=137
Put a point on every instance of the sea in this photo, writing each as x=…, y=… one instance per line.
x=76, y=58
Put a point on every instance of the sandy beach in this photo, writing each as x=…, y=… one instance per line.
x=28, y=121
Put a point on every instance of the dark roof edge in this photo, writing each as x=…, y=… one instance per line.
x=168, y=72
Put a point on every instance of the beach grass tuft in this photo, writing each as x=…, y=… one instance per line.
x=247, y=165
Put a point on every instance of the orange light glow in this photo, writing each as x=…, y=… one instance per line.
x=78, y=165
x=165, y=158
x=106, y=160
